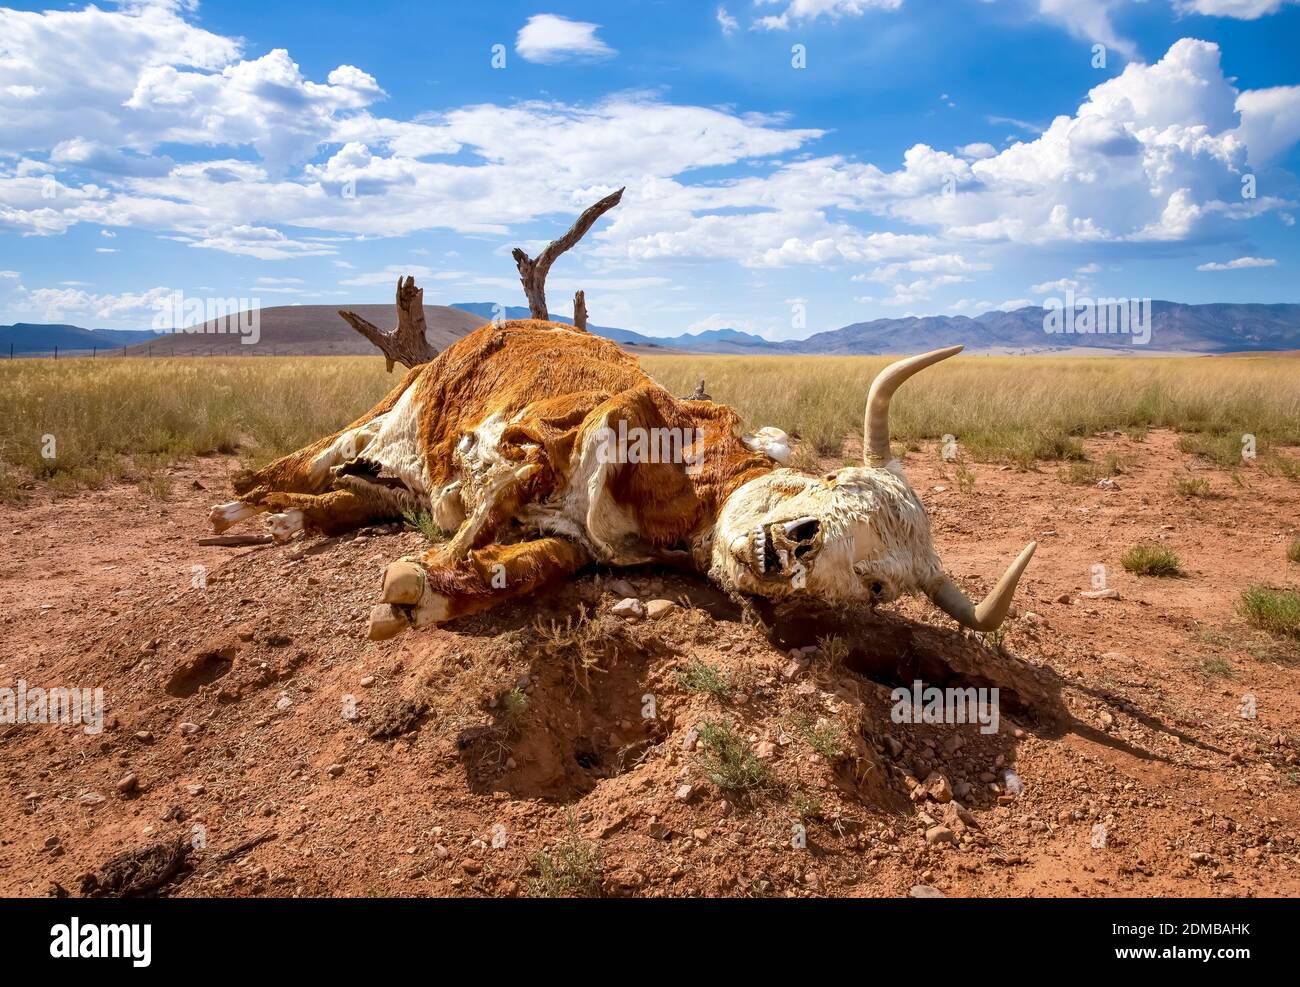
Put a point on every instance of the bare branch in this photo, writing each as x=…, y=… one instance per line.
x=532, y=273
x=407, y=344
x=580, y=310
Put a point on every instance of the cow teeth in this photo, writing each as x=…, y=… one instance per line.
x=760, y=549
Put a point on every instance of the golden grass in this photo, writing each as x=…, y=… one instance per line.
x=126, y=418
x=111, y=419
x=1011, y=409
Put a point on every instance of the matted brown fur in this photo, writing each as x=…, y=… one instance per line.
x=558, y=376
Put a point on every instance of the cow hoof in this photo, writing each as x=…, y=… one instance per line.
x=285, y=526
x=225, y=516
x=403, y=583
x=387, y=621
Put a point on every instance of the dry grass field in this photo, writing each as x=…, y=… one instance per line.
x=125, y=418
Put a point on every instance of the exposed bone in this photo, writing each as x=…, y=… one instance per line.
x=224, y=516
x=285, y=526
x=875, y=427
x=467, y=536
x=407, y=344
x=992, y=610
x=532, y=273
x=770, y=441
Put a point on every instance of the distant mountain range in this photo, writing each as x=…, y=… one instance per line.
x=33, y=338
x=1174, y=327
x=318, y=330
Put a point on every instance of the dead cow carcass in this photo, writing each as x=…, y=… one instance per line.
x=542, y=448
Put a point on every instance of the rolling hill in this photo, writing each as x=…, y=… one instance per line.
x=304, y=330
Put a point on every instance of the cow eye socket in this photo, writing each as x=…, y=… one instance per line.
x=877, y=588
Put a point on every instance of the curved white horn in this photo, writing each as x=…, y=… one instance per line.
x=875, y=427
x=992, y=610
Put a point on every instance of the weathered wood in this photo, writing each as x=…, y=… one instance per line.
x=532, y=272
x=235, y=541
x=408, y=343
x=580, y=310
x=699, y=395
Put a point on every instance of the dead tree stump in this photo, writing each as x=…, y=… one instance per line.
x=407, y=344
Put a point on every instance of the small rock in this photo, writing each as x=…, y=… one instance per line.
x=1200, y=858
x=367, y=682
x=334, y=770
x=660, y=608
x=629, y=608
x=939, y=834
x=195, y=789
x=925, y=891
x=92, y=798
x=938, y=787
x=128, y=784
x=621, y=587
x=1100, y=594
x=188, y=728
x=144, y=736
x=684, y=792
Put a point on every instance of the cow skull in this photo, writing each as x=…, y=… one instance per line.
x=859, y=533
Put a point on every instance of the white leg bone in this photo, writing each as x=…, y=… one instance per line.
x=225, y=516
x=285, y=526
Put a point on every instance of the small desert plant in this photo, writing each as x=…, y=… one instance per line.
x=589, y=644
x=156, y=486
x=1216, y=665
x=1087, y=473
x=965, y=477
x=1274, y=610
x=824, y=736
x=700, y=677
x=514, y=704
x=1293, y=550
x=1151, y=560
x=833, y=648
x=1224, y=450
x=571, y=869
x=422, y=521
x=728, y=761
x=1191, y=486
x=805, y=805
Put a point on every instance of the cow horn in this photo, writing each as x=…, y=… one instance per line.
x=875, y=427
x=990, y=612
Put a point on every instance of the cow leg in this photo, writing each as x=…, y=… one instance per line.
x=430, y=590
x=332, y=513
x=225, y=516
x=498, y=502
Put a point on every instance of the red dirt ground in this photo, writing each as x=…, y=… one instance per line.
x=1120, y=712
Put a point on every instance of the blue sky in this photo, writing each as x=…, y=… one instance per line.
x=938, y=157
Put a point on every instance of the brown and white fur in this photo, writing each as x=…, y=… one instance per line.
x=504, y=440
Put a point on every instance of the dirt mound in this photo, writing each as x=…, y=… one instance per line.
x=552, y=746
